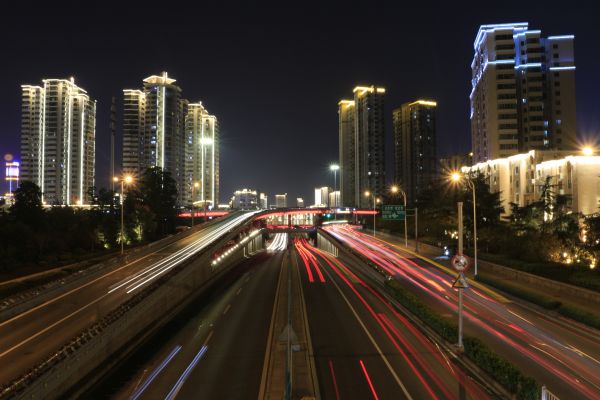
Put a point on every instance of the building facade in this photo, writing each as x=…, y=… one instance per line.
x=245, y=199
x=281, y=200
x=415, y=152
x=362, y=145
x=347, y=153
x=162, y=129
x=521, y=178
x=322, y=196
x=202, y=156
x=58, y=134
x=523, y=92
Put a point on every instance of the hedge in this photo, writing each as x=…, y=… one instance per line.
x=505, y=373
x=566, y=310
x=541, y=300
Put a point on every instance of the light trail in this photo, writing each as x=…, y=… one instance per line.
x=177, y=387
x=159, y=268
x=514, y=330
x=136, y=395
x=364, y=369
x=279, y=243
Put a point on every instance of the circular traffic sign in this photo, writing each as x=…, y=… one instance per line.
x=460, y=262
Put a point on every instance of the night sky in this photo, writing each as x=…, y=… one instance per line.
x=273, y=74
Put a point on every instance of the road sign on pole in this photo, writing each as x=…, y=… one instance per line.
x=392, y=212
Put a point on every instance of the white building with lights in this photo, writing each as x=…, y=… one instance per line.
x=521, y=178
x=162, y=129
x=523, y=92
x=58, y=136
x=201, y=156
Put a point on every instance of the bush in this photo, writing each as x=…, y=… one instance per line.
x=580, y=315
x=506, y=374
x=540, y=300
x=501, y=370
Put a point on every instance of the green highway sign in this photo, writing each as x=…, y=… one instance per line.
x=393, y=212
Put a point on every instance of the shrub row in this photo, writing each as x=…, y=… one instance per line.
x=549, y=303
x=505, y=373
x=541, y=300
x=578, y=275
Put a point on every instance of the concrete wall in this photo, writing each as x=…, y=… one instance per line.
x=83, y=363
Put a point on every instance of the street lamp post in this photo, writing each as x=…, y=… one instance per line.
x=124, y=179
x=334, y=168
x=396, y=189
x=457, y=177
x=375, y=200
x=194, y=186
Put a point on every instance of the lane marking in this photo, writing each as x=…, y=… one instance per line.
x=208, y=338
x=226, y=309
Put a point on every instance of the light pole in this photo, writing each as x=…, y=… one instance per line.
x=375, y=200
x=396, y=189
x=124, y=179
x=194, y=186
x=457, y=177
x=335, y=168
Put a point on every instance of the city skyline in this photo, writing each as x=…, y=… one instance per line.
x=433, y=72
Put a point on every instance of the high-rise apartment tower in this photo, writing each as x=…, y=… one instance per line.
x=362, y=146
x=523, y=92
x=58, y=129
x=202, y=156
x=416, y=162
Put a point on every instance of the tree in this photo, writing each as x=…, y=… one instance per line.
x=28, y=204
x=153, y=203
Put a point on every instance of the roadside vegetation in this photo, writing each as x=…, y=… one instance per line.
x=543, y=238
x=33, y=236
x=501, y=370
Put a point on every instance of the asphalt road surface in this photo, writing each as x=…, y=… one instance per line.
x=31, y=336
x=365, y=349
x=557, y=352
x=214, y=350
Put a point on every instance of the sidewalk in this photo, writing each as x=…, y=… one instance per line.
x=435, y=254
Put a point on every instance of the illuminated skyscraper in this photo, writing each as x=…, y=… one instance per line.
x=362, y=145
x=58, y=129
x=202, y=156
x=415, y=146
x=154, y=129
x=523, y=95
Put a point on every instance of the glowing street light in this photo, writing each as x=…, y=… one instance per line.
x=395, y=189
x=127, y=179
x=196, y=185
x=375, y=200
x=334, y=168
x=587, y=151
x=457, y=177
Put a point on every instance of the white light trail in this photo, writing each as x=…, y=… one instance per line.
x=159, y=268
x=279, y=243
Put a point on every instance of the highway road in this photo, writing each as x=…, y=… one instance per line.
x=557, y=352
x=31, y=336
x=214, y=350
x=365, y=349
